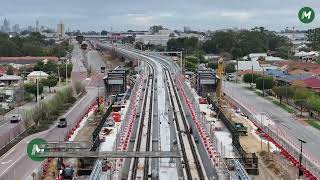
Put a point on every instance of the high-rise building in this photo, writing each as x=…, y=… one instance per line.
x=37, y=26
x=60, y=30
x=186, y=29
x=16, y=28
x=30, y=28
x=6, y=26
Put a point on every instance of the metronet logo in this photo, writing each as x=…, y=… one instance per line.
x=33, y=149
x=306, y=15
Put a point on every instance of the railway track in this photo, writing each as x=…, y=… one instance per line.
x=192, y=161
x=140, y=166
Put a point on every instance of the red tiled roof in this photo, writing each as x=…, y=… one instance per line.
x=299, y=65
x=315, y=71
x=248, y=71
x=3, y=70
x=312, y=82
x=299, y=71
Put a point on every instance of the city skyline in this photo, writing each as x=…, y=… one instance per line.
x=121, y=16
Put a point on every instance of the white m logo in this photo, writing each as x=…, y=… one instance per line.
x=36, y=149
x=306, y=14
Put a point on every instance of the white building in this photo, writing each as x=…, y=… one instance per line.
x=189, y=35
x=36, y=75
x=153, y=39
x=166, y=32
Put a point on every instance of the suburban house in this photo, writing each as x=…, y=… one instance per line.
x=289, y=79
x=10, y=80
x=36, y=75
x=9, y=90
x=275, y=73
x=311, y=83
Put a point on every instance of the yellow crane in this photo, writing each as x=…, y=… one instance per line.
x=220, y=75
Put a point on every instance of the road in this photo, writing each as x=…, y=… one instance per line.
x=293, y=128
x=15, y=163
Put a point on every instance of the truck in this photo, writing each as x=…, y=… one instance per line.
x=241, y=129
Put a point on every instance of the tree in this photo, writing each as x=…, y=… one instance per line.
x=50, y=67
x=104, y=32
x=267, y=81
x=300, y=98
x=32, y=89
x=10, y=70
x=313, y=36
x=230, y=68
x=250, y=78
x=155, y=29
x=191, y=63
x=314, y=102
x=236, y=52
x=213, y=65
x=280, y=92
x=80, y=38
x=62, y=70
x=189, y=45
x=51, y=81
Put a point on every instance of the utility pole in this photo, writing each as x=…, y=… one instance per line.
x=59, y=76
x=263, y=82
x=237, y=73
x=300, y=158
x=37, y=98
x=252, y=77
x=66, y=71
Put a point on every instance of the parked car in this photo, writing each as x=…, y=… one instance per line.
x=62, y=123
x=15, y=118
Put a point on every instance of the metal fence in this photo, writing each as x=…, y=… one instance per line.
x=278, y=135
x=96, y=171
x=222, y=168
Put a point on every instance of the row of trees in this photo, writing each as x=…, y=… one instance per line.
x=302, y=97
x=46, y=113
x=32, y=45
x=54, y=69
x=240, y=43
x=262, y=83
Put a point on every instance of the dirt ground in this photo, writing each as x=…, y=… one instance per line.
x=111, y=62
x=252, y=144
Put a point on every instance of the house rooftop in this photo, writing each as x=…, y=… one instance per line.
x=294, y=77
x=10, y=78
x=37, y=73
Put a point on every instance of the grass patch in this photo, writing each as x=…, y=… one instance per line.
x=283, y=106
x=258, y=93
x=314, y=123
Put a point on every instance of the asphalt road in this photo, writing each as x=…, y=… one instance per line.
x=293, y=128
x=15, y=164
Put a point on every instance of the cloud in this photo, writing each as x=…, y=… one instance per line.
x=139, y=14
x=237, y=15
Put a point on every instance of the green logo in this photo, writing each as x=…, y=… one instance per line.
x=306, y=15
x=33, y=149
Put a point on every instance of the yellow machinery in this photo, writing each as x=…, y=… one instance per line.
x=220, y=75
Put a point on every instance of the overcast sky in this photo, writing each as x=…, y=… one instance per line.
x=174, y=14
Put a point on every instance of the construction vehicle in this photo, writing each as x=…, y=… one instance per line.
x=241, y=129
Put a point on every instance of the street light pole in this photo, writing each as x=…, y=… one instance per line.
x=263, y=82
x=300, y=173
